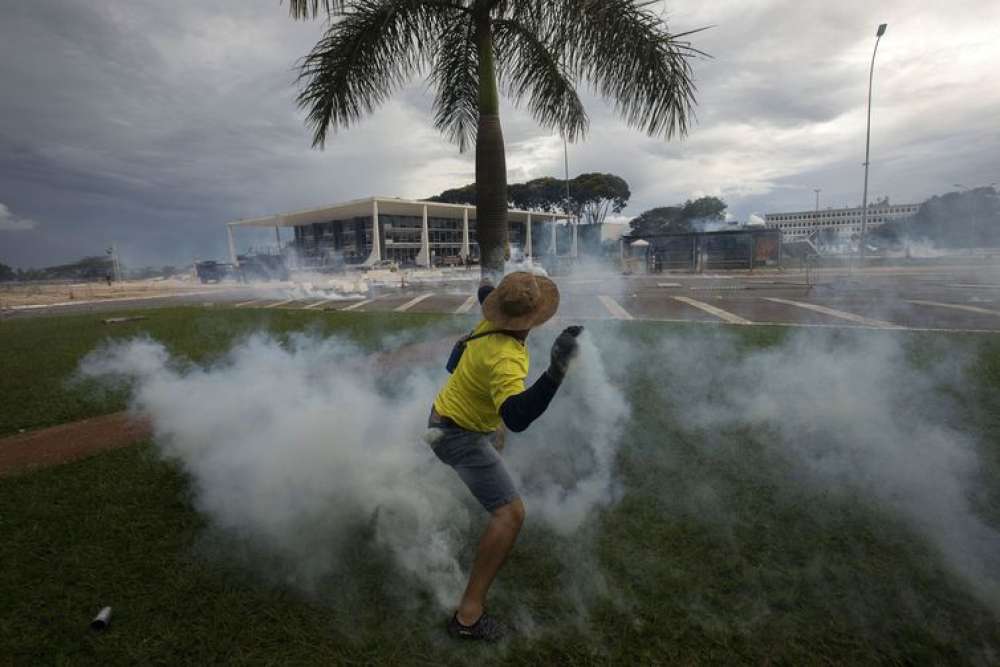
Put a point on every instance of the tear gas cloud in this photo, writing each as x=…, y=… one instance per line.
x=294, y=445
x=854, y=417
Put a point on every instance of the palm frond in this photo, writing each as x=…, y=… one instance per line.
x=627, y=53
x=455, y=77
x=529, y=70
x=370, y=51
x=310, y=9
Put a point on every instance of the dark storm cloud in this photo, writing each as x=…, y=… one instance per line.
x=150, y=124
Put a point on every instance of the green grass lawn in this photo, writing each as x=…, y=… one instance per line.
x=778, y=572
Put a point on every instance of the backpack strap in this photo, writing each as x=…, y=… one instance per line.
x=472, y=336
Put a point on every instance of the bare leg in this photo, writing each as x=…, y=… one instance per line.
x=494, y=547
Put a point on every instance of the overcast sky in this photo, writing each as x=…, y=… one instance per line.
x=151, y=123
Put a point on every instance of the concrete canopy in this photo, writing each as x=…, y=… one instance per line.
x=386, y=206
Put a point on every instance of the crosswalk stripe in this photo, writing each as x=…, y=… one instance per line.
x=315, y=305
x=614, y=307
x=359, y=304
x=412, y=302
x=832, y=312
x=956, y=306
x=279, y=303
x=467, y=306
x=724, y=315
x=247, y=303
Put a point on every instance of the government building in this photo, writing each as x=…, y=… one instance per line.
x=799, y=225
x=405, y=231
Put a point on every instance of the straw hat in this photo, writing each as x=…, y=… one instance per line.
x=521, y=301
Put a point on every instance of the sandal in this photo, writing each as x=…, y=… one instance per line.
x=487, y=628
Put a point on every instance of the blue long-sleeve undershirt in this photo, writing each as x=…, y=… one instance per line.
x=518, y=411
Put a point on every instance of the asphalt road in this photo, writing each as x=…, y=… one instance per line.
x=918, y=299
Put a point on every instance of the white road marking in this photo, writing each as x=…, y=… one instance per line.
x=713, y=310
x=315, y=305
x=840, y=314
x=717, y=288
x=668, y=284
x=956, y=306
x=467, y=306
x=279, y=303
x=614, y=307
x=359, y=304
x=247, y=303
x=412, y=302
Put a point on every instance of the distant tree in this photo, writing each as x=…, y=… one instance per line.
x=6, y=273
x=709, y=209
x=959, y=219
x=593, y=196
x=678, y=219
x=88, y=268
x=659, y=220
x=540, y=194
x=463, y=195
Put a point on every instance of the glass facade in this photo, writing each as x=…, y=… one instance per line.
x=332, y=243
x=328, y=244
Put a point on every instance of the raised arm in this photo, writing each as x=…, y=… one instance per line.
x=520, y=410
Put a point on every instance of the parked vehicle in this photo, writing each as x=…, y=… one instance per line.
x=211, y=271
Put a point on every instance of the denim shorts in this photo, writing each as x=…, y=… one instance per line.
x=477, y=463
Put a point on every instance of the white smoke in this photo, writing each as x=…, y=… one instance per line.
x=854, y=417
x=297, y=447
x=294, y=446
x=565, y=462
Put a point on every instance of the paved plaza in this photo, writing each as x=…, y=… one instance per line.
x=931, y=298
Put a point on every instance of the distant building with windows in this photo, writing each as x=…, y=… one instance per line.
x=799, y=225
x=409, y=232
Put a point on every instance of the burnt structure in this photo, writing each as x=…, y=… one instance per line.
x=745, y=248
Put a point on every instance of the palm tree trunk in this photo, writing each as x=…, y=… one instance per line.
x=491, y=162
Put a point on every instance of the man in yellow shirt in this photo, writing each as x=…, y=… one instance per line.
x=485, y=392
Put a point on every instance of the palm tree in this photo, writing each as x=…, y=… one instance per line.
x=535, y=50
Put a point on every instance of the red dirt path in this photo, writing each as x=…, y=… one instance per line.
x=70, y=442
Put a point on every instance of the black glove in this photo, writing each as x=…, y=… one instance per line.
x=564, y=350
x=484, y=291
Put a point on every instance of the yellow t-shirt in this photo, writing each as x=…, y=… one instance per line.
x=492, y=369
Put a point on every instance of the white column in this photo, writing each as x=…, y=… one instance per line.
x=575, y=251
x=552, y=248
x=465, y=234
x=232, y=244
x=376, y=254
x=527, y=242
x=424, y=256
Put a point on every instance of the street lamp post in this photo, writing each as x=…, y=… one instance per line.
x=868, y=137
x=572, y=223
